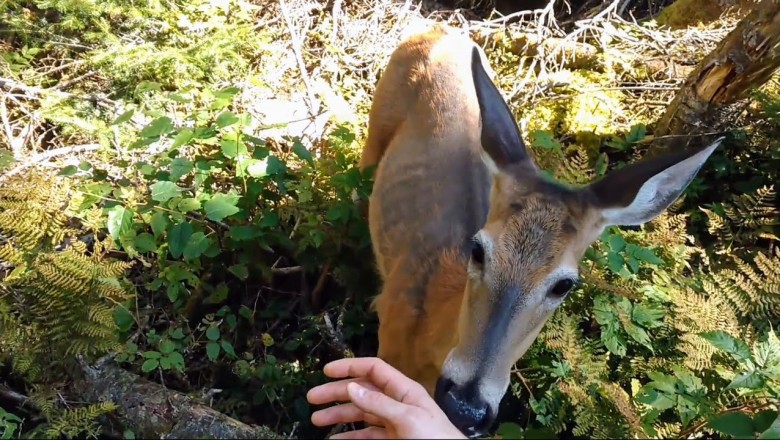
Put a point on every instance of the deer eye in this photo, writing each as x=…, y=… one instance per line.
x=562, y=288
x=477, y=252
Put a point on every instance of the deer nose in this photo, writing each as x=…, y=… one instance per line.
x=464, y=406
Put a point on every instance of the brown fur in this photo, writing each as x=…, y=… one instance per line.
x=425, y=105
x=454, y=181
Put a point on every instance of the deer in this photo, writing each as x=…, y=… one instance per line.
x=475, y=247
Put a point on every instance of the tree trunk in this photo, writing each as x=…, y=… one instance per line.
x=746, y=58
x=152, y=411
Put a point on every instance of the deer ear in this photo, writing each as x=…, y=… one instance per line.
x=502, y=143
x=637, y=193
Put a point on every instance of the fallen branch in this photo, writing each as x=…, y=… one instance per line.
x=286, y=270
x=14, y=86
x=153, y=411
x=48, y=155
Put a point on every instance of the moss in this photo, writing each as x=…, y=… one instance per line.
x=590, y=111
x=684, y=13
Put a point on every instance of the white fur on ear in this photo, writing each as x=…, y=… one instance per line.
x=490, y=164
x=658, y=192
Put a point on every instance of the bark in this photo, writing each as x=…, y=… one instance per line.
x=746, y=58
x=152, y=411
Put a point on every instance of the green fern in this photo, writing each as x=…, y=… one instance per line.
x=53, y=304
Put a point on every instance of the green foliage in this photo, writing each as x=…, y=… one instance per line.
x=240, y=243
x=9, y=424
x=54, y=304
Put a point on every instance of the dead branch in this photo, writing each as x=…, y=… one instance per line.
x=153, y=411
x=48, y=155
x=32, y=92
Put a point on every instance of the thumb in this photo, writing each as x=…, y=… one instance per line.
x=376, y=403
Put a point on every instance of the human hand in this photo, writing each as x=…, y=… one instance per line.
x=378, y=395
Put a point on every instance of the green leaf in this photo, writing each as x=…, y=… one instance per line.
x=300, y=150
x=144, y=242
x=773, y=432
x=638, y=334
x=180, y=167
x=647, y=315
x=509, y=430
x=177, y=360
x=149, y=365
x=227, y=347
x=658, y=400
x=615, y=262
x=163, y=191
x=736, y=424
x=183, y=137
x=69, y=170
x=220, y=294
x=543, y=139
x=752, y=380
x=601, y=164
x=275, y=165
x=152, y=354
x=243, y=233
x=613, y=341
x=178, y=237
x=662, y=382
x=616, y=242
x=188, y=204
x=245, y=312
x=636, y=134
x=764, y=419
x=221, y=206
x=119, y=222
x=158, y=127
x=165, y=363
x=724, y=341
x=158, y=222
x=212, y=333
x=167, y=346
x=647, y=255
x=226, y=119
x=123, y=318
x=256, y=168
x=239, y=270
x=124, y=117
x=196, y=245
x=212, y=350
x=232, y=148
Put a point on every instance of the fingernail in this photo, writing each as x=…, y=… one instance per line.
x=357, y=389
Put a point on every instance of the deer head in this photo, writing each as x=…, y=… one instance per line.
x=524, y=260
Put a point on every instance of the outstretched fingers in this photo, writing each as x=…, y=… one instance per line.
x=345, y=413
x=381, y=374
x=335, y=391
x=378, y=404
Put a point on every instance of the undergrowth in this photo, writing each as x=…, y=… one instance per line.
x=203, y=253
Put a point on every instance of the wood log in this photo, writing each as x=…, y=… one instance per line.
x=747, y=57
x=152, y=411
